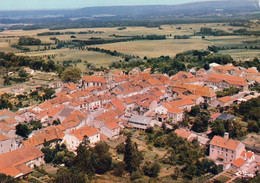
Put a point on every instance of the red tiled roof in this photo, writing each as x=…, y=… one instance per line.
x=117, y=103
x=233, y=80
x=214, y=116
x=11, y=162
x=225, y=99
x=247, y=154
x=182, y=133
x=48, y=134
x=225, y=143
x=239, y=162
x=112, y=125
x=3, y=137
x=84, y=131
x=97, y=79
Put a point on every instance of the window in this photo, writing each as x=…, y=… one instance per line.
x=226, y=150
x=226, y=154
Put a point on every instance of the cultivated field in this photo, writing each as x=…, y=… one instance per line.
x=66, y=54
x=156, y=48
x=140, y=48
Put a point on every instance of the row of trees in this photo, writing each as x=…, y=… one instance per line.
x=69, y=33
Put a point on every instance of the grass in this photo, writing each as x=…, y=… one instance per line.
x=156, y=48
x=252, y=140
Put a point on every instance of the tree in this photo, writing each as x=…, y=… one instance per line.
x=252, y=126
x=48, y=154
x=7, y=179
x=195, y=110
x=151, y=169
x=71, y=74
x=84, y=161
x=132, y=156
x=217, y=128
x=65, y=175
x=22, y=130
x=22, y=73
x=48, y=92
x=201, y=123
x=103, y=159
x=119, y=169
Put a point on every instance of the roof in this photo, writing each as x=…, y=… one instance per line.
x=214, y=116
x=226, y=117
x=195, y=89
x=225, y=143
x=239, y=162
x=183, y=133
x=12, y=163
x=117, y=103
x=84, y=131
x=225, y=99
x=3, y=137
x=70, y=86
x=97, y=79
x=112, y=125
x=247, y=154
x=181, y=103
x=233, y=80
x=173, y=109
x=48, y=134
x=140, y=119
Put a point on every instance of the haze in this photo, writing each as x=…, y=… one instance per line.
x=69, y=4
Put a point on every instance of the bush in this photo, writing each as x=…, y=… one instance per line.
x=135, y=175
x=151, y=169
x=120, y=148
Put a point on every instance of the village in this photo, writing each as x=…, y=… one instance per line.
x=101, y=105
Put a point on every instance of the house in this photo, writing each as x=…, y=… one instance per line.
x=93, y=81
x=7, y=144
x=191, y=136
x=75, y=137
x=222, y=101
x=214, y=116
x=47, y=135
x=20, y=162
x=185, y=134
x=226, y=81
x=226, y=117
x=206, y=92
x=69, y=87
x=172, y=112
x=110, y=130
x=225, y=149
x=74, y=121
x=140, y=122
x=248, y=156
x=239, y=164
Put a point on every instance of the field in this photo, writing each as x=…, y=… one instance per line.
x=156, y=48
x=99, y=59
x=169, y=47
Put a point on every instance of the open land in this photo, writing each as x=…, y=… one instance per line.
x=150, y=48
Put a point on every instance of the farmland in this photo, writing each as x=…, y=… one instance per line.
x=149, y=48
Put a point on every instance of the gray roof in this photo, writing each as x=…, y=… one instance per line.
x=226, y=117
x=140, y=119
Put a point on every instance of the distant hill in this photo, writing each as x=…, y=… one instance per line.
x=197, y=9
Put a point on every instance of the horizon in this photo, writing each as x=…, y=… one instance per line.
x=24, y=5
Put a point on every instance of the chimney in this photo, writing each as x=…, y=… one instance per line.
x=226, y=135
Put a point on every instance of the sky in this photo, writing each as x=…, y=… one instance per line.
x=70, y=4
